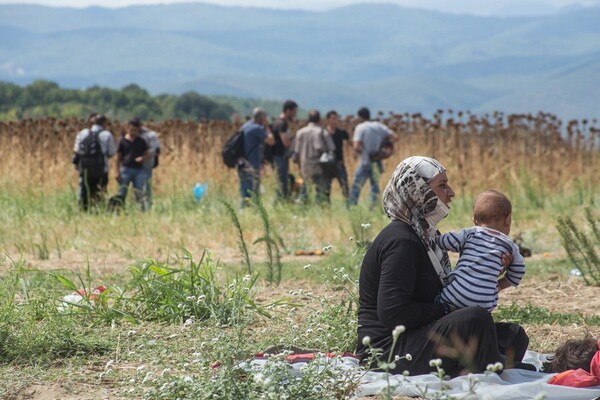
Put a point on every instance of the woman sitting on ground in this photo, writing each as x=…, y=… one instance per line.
x=402, y=273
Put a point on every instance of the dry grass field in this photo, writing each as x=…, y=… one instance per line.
x=547, y=167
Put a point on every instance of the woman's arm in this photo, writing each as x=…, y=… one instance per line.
x=404, y=272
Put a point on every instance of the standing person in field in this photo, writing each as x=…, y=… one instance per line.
x=131, y=154
x=151, y=138
x=282, y=147
x=93, y=147
x=310, y=143
x=256, y=135
x=339, y=136
x=474, y=280
x=367, y=140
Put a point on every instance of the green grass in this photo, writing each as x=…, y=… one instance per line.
x=531, y=314
x=150, y=337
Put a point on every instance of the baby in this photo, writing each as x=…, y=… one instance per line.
x=474, y=281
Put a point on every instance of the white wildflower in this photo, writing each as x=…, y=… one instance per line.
x=398, y=331
x=436, y=362
x=408, y=357
x=188, y=379
x=366, y=341
x=247, y=278
x=307, y=266
x=259, y=379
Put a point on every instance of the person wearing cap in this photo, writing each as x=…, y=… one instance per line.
x=131, y=154
x=151, y=137
x=256, y=135
x=282, y=148
x=92, y=190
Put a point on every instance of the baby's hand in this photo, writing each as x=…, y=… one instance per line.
x=507, y=259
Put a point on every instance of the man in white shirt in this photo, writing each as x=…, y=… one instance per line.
x=367, y=139
x=93, y=168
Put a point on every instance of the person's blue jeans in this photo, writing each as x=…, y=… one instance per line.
x=137, y=177
x=249, y=184
x=282, y=169
x=363, y=173
x=148, y=186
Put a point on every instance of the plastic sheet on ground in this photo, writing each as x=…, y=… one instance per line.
x=511, y=384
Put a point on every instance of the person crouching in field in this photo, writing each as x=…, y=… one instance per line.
x=474, y=280
x=93, y=147
x=131, y=154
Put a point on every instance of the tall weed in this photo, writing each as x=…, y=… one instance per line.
x=271, y=240
x=238, y=227
x=581, y=247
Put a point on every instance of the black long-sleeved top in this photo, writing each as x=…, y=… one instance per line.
x=397, y=286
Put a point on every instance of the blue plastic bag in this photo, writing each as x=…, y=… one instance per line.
x=199, y=190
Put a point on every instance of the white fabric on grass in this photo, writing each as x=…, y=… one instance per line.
x=512, y=384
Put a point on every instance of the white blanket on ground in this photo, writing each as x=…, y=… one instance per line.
x=512, y=384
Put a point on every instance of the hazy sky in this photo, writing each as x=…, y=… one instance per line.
x=460, y=6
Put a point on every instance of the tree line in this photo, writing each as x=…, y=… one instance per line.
x=44, y=98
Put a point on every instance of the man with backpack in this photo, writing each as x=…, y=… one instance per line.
x=256, y=133
x=93, y=147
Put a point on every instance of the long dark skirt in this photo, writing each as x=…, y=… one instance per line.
x=466, y=340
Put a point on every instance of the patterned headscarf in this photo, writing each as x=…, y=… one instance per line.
x=408, y=198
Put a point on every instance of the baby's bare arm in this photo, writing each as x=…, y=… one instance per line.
x=503, y=283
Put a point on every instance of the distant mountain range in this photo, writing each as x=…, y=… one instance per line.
x=384, y=56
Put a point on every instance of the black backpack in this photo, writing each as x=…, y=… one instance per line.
x=233, y=149
x=91, y=157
